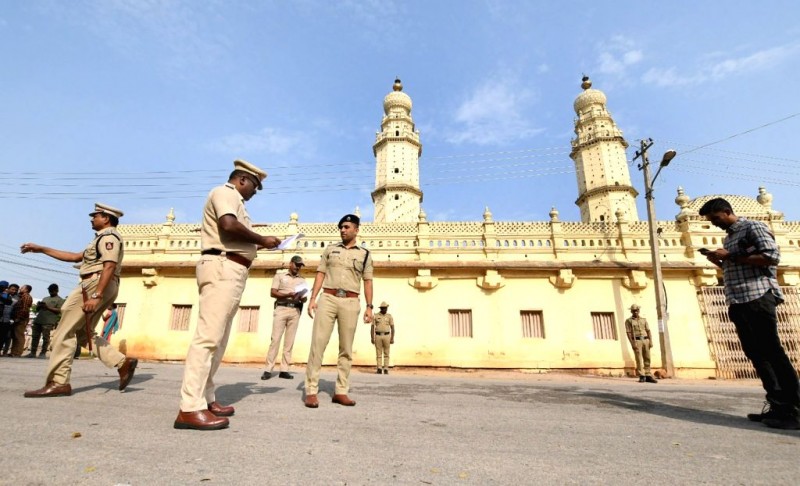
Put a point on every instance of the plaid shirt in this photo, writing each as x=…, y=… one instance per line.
x=23, y=308
x=745, y=283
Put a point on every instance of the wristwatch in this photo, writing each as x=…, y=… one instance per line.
x=370, y=306
x=95, y=295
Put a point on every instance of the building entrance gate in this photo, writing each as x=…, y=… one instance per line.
x=723, y=343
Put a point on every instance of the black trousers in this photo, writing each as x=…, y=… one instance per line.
x=5, y=336
x=757, y=326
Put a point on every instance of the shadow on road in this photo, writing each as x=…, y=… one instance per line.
x=678, y=412
x=114, y=384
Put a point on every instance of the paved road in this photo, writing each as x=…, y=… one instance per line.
x=410, y=427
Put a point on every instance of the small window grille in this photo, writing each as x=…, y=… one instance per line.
x=603, y=325
x=180, y=317
x=248, y=318
x=460, y=323
x=532, y=324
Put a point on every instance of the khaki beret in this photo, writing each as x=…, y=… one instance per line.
x=383, y=304
x=635, y=307
x=106, y=209
x=246, y=166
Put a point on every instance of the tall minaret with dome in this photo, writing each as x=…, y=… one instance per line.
x=397, y=149
x=598, y=150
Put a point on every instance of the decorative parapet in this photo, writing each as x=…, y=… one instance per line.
x=705, y=277
x=491, y=281
x=564, y=280
x=636, y=280
x=423, y=280
x=149, y=277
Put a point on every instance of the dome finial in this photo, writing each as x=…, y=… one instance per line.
x=587, y=83
x=398, y=85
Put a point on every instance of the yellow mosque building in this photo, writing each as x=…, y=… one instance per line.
x=532, y=295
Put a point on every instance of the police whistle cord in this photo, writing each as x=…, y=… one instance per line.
x=88, y=321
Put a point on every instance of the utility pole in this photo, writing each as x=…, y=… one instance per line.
x=655, y=255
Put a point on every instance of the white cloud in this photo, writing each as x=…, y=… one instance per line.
x=493, y=114
x=267, y=140
x=717, y=70
x=617, y=55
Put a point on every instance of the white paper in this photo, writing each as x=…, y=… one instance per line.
x=288, y=242
x=301, y=289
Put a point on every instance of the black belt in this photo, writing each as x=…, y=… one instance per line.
x=641, y=337
x=234, y=257
x=382, y=333
x=296, y=305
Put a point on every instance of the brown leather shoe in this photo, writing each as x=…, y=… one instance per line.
x=220, y=410
x=126, y=372
x=343, y=400
x=311, y=401
x=51, y=389
x=200, y=420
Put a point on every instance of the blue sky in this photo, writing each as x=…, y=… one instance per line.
x=144, y=105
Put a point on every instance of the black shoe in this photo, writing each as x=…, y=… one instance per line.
x=385, y=371
x=766, y=413
x=31, y=355
x=266, y=376
x=789, y=421
x=641, y=379
x=285, y=375
x=650, y=379
x=379, y=371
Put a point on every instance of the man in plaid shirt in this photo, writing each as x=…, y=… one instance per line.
x=749, y=262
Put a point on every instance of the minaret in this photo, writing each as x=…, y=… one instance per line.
x=604, y=183
x=397, y=149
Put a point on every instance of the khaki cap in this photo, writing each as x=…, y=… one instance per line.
x=297, y=260
x=246, y=166
x=383, y=304
x=635, y=307
x=106, y=209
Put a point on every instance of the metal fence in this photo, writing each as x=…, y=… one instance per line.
x=723, y=343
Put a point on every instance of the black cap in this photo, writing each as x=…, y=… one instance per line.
x=297, y=260
x=349, y=218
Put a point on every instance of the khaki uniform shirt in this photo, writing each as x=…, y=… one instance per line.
x=383, y=322
x=637, y=327
x=344, y=268
x=46, y=318
x=285, y=282
x=224, y=200
x=105, y=247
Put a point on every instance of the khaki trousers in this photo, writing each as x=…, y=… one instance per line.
x=18, y=338
x=641, y=349
x=345, y=311
x=284, y=322
x=71, y=331
x=382, y=344
x=220, y=282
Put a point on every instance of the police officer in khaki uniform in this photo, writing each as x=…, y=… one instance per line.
x=382, y=336
x=341, y=268
x=641, y=341
x=288, y=307
x=100, y=267
x=229, y=246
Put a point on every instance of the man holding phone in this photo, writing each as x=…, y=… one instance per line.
x=749, y=262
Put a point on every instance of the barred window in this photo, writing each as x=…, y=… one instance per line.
x=180, y=317
x=460, y=323
x=603, y=325
x=248, y=318
x=532, y=324
x=120, y=314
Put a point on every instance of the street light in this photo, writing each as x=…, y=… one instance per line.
x=663, y=316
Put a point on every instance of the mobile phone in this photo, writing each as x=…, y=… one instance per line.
x=704, y=251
